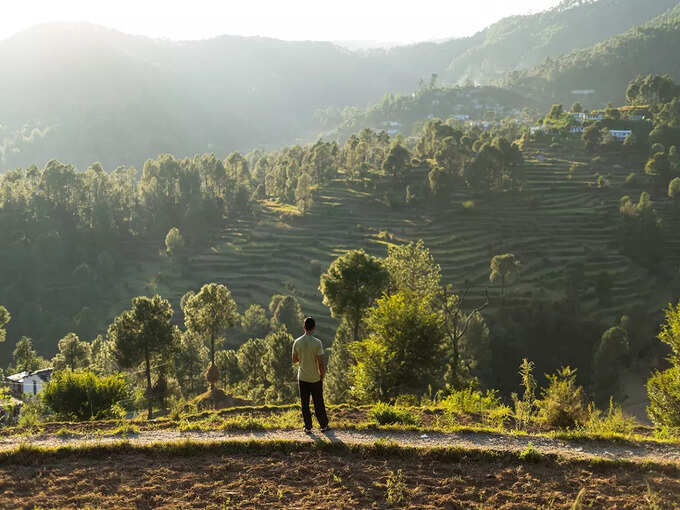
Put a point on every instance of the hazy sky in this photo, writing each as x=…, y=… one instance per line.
x=375, y=20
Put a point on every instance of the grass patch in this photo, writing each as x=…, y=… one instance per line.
x=125, y=429
x=530, y=454
x=385, y=414
x=64, y=433
x=27, y=454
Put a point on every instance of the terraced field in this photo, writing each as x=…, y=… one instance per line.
x=554, y=222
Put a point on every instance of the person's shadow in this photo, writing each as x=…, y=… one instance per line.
x=328, y=436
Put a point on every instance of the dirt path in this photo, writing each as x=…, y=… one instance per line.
x=646, y=451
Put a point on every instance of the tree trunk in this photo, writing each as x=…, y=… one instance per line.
x=148, y=386
x=355, y=330
x=212, y=358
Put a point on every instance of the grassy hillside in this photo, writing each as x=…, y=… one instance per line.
x=555, y=222
x=608, y=66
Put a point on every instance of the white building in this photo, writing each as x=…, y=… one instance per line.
x=620, y=134
x=29, y=382
x=594, y=116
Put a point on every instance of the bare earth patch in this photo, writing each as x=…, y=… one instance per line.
x=300, y=476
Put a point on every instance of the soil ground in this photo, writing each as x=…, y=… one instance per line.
x=301, y=476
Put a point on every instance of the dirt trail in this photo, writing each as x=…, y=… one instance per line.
x=643, y=451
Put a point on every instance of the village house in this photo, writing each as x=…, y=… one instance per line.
x=620, y=134
x=28, y=382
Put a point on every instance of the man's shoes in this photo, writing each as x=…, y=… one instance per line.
x=325, y=429
x=307, y=430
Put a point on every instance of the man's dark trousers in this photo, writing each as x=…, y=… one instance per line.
x=315, y=389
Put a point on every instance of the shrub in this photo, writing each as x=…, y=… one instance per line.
x=407, y=400
x=385, y=414
x=471, y=401
x=562, y=405
x=395, y=488
x=530, y=454
x=663, y=390
x=631, y=179
x=31, y=413
x=613, y=422
x=84, y=395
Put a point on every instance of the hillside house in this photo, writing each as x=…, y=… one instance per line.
x=578, y=117
x=620, y=134
x=577, y=130
x=28, y=382
x=594, y=116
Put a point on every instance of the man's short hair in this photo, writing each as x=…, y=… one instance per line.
x=309, y=324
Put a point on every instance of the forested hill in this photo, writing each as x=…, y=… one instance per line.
x=606, y=67
x=83, y=93
x=520, y=42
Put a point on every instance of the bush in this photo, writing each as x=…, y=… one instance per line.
x=562, y=405
x=613, y=422
x=84, y=395
x=385, y=414
x=663, y=389
x=471, y=401
x=468, y=205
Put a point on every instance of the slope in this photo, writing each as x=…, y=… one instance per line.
x=607, y=67
x=520, y=42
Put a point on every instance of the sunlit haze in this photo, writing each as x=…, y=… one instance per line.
x=350, y=20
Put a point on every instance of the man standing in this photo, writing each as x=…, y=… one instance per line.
x=308, y=351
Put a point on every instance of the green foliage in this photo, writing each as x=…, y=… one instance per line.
x=208, y=313
x=641, y=235
x=74, y=354
x=5, y=317
x=396, y=489
x=531, y=454
x=663, y=388
x=614, y=421
x=402, y=353
x=286, y=312
x=25, y=357
x=674, y=189
x=610, y=357
x=351, y=284
x=227, y=363
x=526, y=406
x=142, y=333
x=337, y=381
x=663, y=391
x=32, y=412
x=84, y=395
x=174, y=242
x=276, y=367
x=191, y=359
x=254, y=322
x=412, y=268
x=385, y=414
x=504, y=269
x=562, y=403
x=472, y=401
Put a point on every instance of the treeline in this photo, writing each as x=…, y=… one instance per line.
x=68, y=234
x=403, y=334
x=606, y=67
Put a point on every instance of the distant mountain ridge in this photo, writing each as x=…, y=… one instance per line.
x=83, y=93
x=520, y=42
